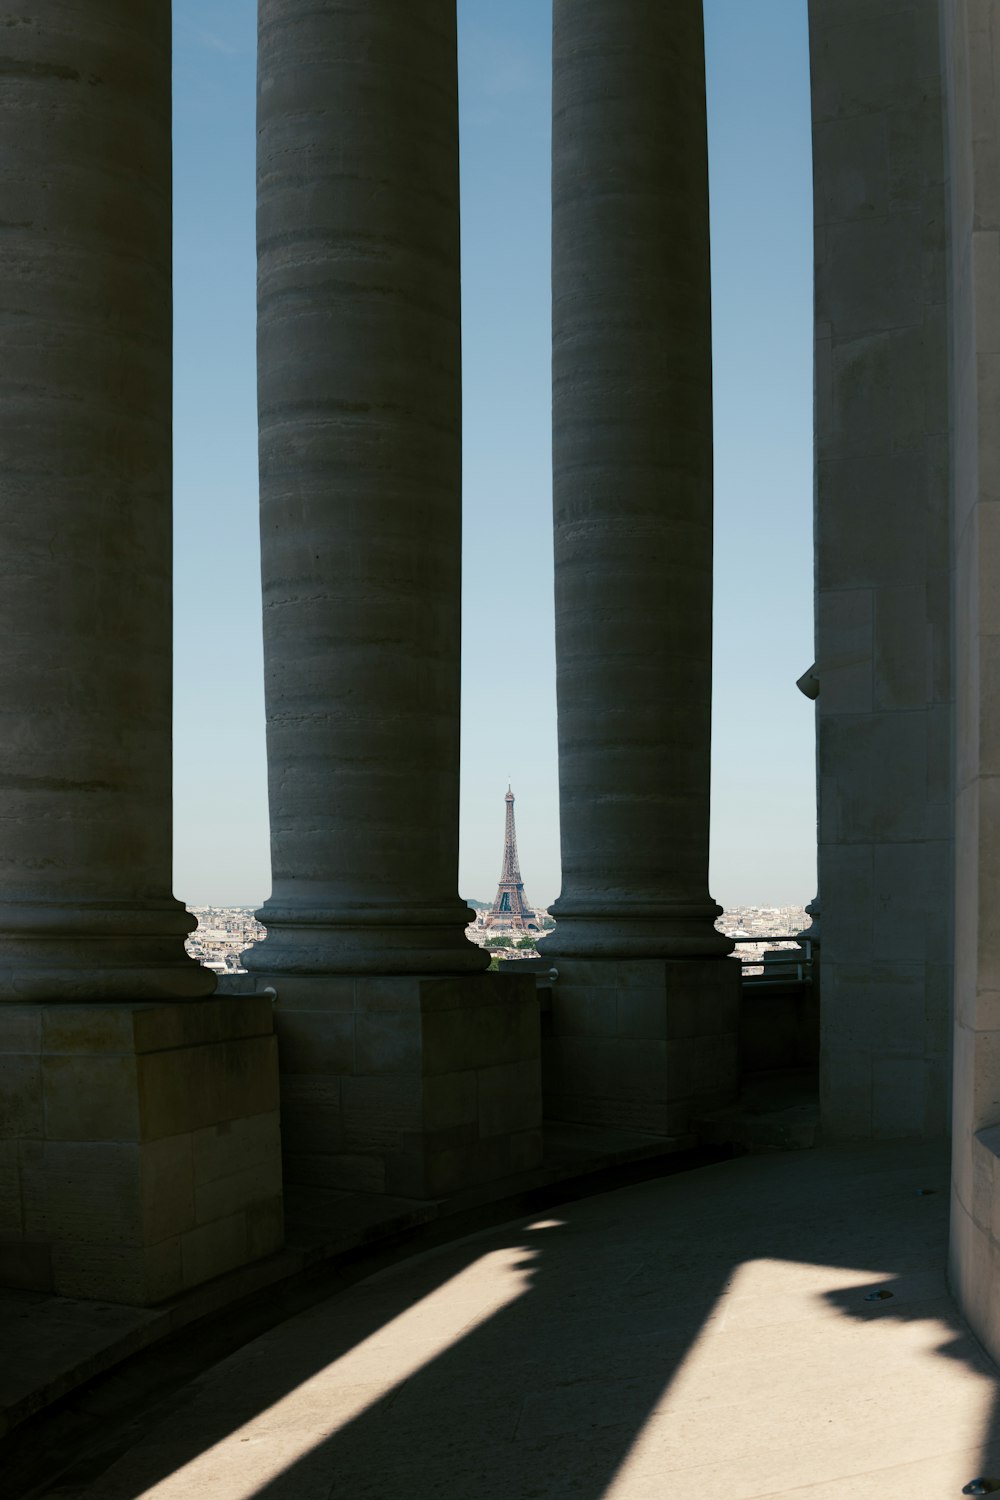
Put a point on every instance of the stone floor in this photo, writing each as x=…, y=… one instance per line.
x=704, y=1334
x=51, y=1346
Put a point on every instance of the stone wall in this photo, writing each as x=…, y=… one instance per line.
x=642, y=1044
x=882, y=567
x=408, y=1086
x=972, y=53
x=139, y=1146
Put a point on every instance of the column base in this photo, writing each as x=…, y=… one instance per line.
x=357, y=943
x=657, y=933
x=139, y=1147
x=416, y=1087
x=98, y=953
x=642, y=1044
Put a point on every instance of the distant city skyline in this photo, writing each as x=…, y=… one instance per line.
x=763, y=771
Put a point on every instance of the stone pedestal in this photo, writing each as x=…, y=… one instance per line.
x=139, y=1145
x=643, y=1044
x=411, y=1086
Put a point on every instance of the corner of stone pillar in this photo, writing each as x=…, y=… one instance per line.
x=414, y=1086
x=140, y=1145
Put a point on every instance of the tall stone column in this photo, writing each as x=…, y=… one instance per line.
x=86, y=910
x=139, y=1145
x=360, y=477
x=404, y=1068
x=632, y=478
x=645, y=1007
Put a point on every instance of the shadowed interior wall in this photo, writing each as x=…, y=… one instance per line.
x=882, y=567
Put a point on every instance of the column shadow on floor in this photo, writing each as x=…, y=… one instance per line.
x=545, y=1395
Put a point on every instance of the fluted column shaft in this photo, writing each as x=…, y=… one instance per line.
x=86, y=910
x=632, y=474
x=360, y=475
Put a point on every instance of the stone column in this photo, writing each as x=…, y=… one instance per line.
x=139, y=1146
x=86, y=910
x=404, y=1068
x=884, y=638
x=632, y=478
x=645, y=1007
x=360, y=480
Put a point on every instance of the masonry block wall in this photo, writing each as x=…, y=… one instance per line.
x=972, y=57
x=882, y=567
x=139, y=1146
x=409, y=1086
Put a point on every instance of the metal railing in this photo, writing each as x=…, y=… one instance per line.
x=787, y=965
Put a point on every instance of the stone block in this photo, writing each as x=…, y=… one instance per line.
x=25, y=1264
x=901, y=668
x=318, y=992
x=526, y=1150
x=311, y=1112
x=141, y=1275
x=78, y=1029
x=315, y=1041
x=20, y=1029
x=135, y=1150
x=166, y=1187
x=11, y=1217
x=265, y=1228
x=225, y=1196
x=450, y=1099
x=674, y=1037
x=844, y=647
x=233, y=1145
x=83, y=1192
x=845, y=1093
x=847, y=872
x=190, y=1088
x=899, y=1097
x=210, y=1249
x=386, y=1042
x=377, y=1111
x=582, y=1010
x=345, y=1171
x=21, y=1099
x=853, y=554
x=471, y=1036
x=418, y=1102
x=509, y=1097
x=396, y=993
x=647, y=1013
x=90, y=1097
x=855, y=181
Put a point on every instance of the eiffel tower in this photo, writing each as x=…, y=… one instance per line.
x=510, y=910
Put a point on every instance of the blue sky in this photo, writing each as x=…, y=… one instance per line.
x=763, y=837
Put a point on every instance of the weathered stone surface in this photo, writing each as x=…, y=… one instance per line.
x=883, y=603
x=632, y=479
x=646, y=1044
x=128, y=1175
x=86, y=910
x=360, y=486
x=423, y=1078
